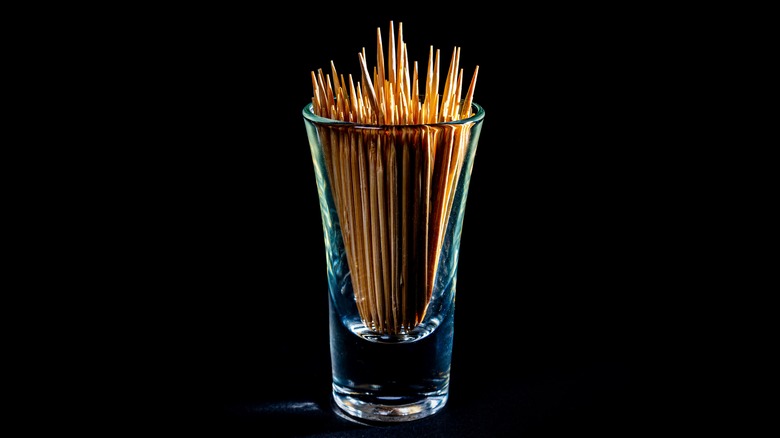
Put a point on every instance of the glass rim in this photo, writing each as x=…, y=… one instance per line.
x=308, y=113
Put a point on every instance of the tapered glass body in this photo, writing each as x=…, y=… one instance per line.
x=392, y=201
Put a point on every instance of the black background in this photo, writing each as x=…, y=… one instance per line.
x=560, y=270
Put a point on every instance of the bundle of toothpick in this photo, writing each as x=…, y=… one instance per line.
x=394, y=185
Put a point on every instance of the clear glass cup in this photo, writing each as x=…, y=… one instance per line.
x=392, y=200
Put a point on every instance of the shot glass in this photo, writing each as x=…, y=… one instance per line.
x=392, y=200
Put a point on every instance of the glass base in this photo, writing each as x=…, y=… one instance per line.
x=360, y=407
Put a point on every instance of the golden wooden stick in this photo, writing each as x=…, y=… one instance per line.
x=394, y=188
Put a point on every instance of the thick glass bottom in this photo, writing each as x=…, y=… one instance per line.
x=372, y=408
